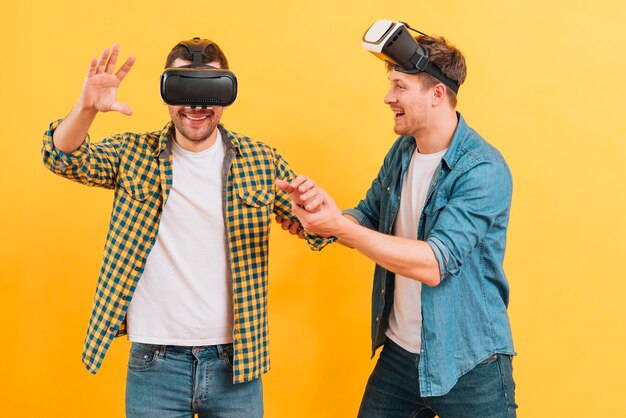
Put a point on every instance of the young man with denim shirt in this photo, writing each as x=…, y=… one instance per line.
x=184, y=271
x=434, y=220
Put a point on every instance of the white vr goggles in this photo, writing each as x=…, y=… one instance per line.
x=390, y=41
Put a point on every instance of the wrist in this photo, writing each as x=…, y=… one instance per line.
x=83, y=110
x=345, y=230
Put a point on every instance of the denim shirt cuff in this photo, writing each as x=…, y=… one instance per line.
x=360, y=217
x=442, y=255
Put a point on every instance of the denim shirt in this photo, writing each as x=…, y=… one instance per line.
x=464, y=221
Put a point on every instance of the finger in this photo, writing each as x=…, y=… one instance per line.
x=298, y=181
x=293, y=229
x=306, y=185
x=325, y=195
x=115, y=52
x=300, y=212
x=309, y=195
x=122, y=108
x=102, y=61
x=125, y=68
x=301, y=233
x=284, y=186
x=285, y=224
x=314, y=205
x=279, y=219
x=92, y=67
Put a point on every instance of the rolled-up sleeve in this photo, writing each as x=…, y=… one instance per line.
x=89, y=164
x=360, y=217
x=59, y=162
x=479, y=201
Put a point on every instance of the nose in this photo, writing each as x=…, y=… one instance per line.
x=389, y=97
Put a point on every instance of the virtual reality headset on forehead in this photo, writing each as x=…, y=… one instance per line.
x=198, y=84
x=390, y=41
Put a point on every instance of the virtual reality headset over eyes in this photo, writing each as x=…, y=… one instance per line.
x=390, y=41
x=197, y=84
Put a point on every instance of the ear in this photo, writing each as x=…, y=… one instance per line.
x=439, y=94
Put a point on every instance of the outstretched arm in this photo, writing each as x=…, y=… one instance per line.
x=410, y=258
x=98, y=95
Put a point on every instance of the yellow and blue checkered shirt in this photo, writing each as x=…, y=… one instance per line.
x=139, y=168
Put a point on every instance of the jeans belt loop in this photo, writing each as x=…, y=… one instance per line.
x=220, y=351
x=161, y=351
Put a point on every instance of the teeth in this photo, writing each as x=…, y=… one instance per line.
x=196, y=117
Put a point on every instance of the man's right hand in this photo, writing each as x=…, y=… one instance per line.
x=98, y=95
x=100, y=88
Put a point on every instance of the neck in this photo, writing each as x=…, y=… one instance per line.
x=439, y=133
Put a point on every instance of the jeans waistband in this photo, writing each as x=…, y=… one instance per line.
x=160, y=350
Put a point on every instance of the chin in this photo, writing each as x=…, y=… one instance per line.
x=400, y=131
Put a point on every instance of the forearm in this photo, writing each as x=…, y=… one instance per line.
x=72, y=131
x=410, y=258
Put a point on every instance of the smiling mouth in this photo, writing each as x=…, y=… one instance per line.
x=197, y=117
x=397, y=114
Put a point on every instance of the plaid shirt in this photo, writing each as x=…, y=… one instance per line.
x=139, y=168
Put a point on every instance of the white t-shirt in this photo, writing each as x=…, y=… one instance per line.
x=405, y=319
x=184, y=296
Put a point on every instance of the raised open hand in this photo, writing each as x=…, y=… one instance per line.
x=100, y=88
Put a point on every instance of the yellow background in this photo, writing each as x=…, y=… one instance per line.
x=545, y=86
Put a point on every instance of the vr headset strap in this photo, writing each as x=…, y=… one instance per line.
x=433, y=70
x=196, y=48
x=423, y=64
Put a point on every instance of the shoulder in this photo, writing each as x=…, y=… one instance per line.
x=475, y=151
x=401, y=144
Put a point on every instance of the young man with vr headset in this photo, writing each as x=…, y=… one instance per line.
x=184, y=271
x=434, y=220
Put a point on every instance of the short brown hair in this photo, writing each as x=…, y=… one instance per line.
x=447, y=57
x=211, y=53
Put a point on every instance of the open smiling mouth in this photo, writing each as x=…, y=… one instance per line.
x=197, y=117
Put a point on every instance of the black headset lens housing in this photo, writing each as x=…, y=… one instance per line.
x=197, y=84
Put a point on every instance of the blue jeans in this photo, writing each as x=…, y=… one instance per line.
x=393, y=390
x=172, y=381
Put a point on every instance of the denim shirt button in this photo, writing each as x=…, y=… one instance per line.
x=377, y=318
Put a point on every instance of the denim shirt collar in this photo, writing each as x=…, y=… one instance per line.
x=452, y=155
x=460, y=135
